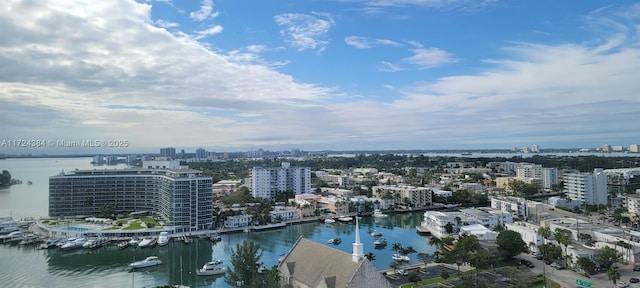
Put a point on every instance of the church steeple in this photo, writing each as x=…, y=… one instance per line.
x=358, y=249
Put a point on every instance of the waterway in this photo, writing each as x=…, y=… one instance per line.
x=107, y=267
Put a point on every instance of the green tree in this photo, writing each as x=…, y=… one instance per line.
x=607, y=256
x=414, y=277
x=5, y=178
x=545, y=232
x=107, y=210
x=613, y=274
x=448, y=227
x=436, y=242
x=563, y=237
x=370, y=256
x=445, y=274
x=551, y=251
x=510, y=244
x=245, y=260
x=425, y=258
x=587, y=265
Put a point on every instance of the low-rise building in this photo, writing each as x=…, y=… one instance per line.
x=238, y=221
x=516, y=206
x=483, y=233
x=283, y=213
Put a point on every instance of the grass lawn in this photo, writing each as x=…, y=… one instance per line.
x=150, y=222
x=135, y=225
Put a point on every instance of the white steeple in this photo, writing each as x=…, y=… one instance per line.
x=358, y=249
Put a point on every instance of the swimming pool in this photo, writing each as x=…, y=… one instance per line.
x=78, y=229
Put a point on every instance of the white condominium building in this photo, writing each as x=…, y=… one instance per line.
x=416, y=196
x=267, y=182
x=590, y=188
x=549, y=176
x=515, y=206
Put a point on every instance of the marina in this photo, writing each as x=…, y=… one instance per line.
x=44, y=264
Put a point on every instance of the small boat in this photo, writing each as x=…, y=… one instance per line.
x=147, y=242
x=334, y=241
x=147, y=262
x=187, y=240
x=376, y=233
x=214, y=237
x=163, y=239
x=51, y=243
x=345, y=218
x=134, y=241
x=29, y=182
x=380, y=242
x=123, y=244
x=28, y=239
x=329, y=221
x=400, y=257
x=378, y=213
x=212, y=268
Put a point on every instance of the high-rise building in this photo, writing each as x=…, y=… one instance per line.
x=201, y=153
x=168, y=153
x=267, y=182
x=549, y=176
x=180, y=198
x=590, y=188
x=634, y=148
x=535, y=148
x=606, y=148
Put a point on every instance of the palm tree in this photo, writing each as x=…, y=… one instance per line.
x=370, y=256
x=613, y=274
x=563, y=237
x=436, y=242
x=425, y=258
x=397, y=247
x=545, y=232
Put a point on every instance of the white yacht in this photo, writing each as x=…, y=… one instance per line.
x=376, y=233
x=212, y=268
x=147, y=242
x=380, y=242
x=345, y=218
x=51, y=243
x=329, y=221
x=334, y=241
x=134, y=241
x=163, y=239
x=378, y=213
x=75, y=244
x=400, y=257
x=147, y=262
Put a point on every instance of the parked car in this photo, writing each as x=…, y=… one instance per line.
x=526, y=263
x=634, y=280
x=623, y=284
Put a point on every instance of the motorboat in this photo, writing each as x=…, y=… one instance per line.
x=345, y=218
x=378, y=213
x=75, y=244
x=187, y=240
x=13, y=236
x=147, y=242
x=380, y=242
x=94, y=243
x=134, y=241
x=147, y=262
x=334, y=241
x=329, y=221
x=212, y=268
x=123, y=244
x=215, y=237
x=400, y=257
x=65, y=241
x=51, y=243
x=376, y=233
x=29, y=239
x=163, y=239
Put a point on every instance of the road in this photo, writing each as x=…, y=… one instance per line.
x=567, y=278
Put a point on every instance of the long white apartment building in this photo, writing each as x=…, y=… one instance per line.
x=417, y=196
x=548, y=176
x=515, y=206
x=436, y=222
x=178, y=196
x=267, y=182
x=590, y=188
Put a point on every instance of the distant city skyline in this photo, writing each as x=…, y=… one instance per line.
x=318, y=75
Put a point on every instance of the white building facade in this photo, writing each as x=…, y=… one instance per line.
x=515, y=206
x=590, y=188
x=267, y=182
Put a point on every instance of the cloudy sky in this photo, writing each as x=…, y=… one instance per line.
x=341, y=75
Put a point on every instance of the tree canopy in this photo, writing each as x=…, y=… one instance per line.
x=5, y=178
x=510, y=244
x=607, y=256
x=245, y=260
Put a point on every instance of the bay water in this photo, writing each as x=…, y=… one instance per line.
x=107, y=267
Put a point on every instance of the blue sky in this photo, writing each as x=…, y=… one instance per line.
x=315, y=75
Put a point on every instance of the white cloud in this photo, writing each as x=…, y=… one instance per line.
x=165, y=24
x=213, y=30
x=205, y=11
x=389, y=67
x=366, y=43
x=430, y=57
x=304, y=31
x=447, y=4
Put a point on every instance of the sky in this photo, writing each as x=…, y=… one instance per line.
x=238, y=75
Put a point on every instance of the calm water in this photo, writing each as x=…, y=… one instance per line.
x=106, y=267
